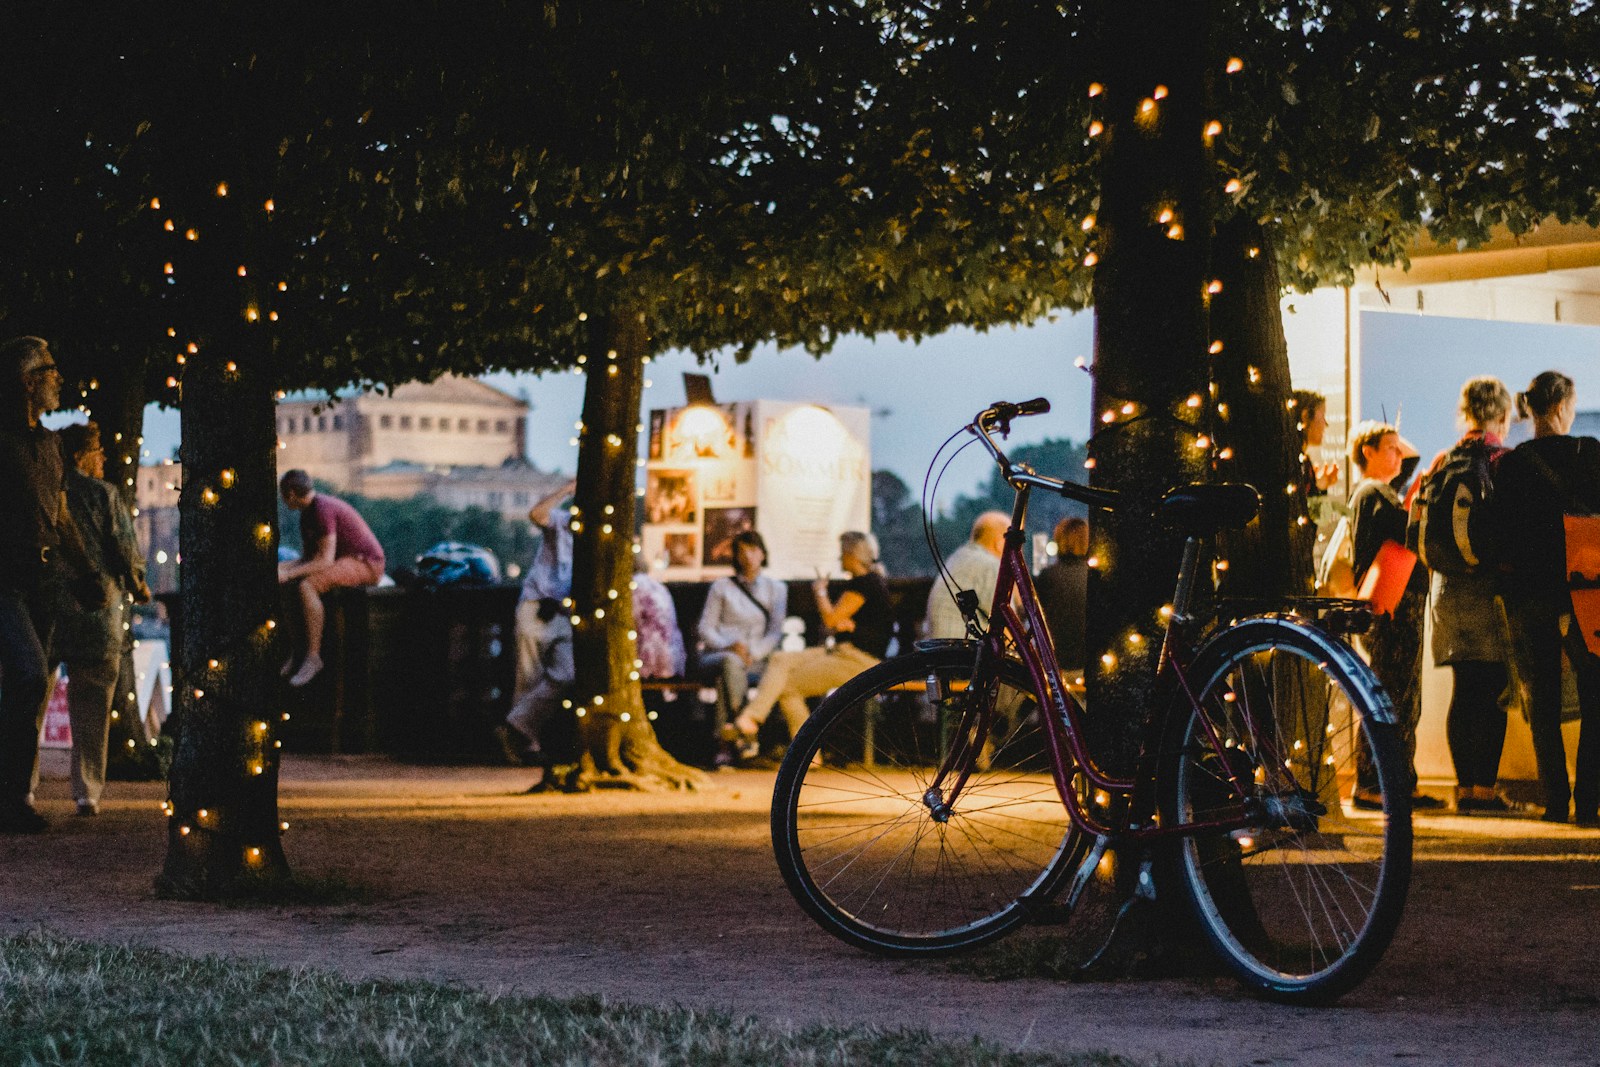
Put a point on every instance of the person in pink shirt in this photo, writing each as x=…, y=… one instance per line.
x=338, y=549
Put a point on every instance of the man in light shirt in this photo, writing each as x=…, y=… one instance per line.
x=976, y=566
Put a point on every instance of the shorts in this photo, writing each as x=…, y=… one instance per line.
x=345, y=572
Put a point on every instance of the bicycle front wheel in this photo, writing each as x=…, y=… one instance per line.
x=862, y=851
x=1302, y=900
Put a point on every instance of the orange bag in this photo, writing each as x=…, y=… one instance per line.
x=1583, y=575
x=1385, y=581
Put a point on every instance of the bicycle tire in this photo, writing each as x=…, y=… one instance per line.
x=863, y=855
x=1302, y=906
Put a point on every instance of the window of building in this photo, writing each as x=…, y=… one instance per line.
x=305, y=424
x=444, y=425
x=385, y=422
x=338, y=422
x=495, y=498
x=464, y=425
x=405, y=422
x=322, y=423
x=285, y=426
x=483, y=425
x=520, y=499
x=501, y=426
x=425, y=422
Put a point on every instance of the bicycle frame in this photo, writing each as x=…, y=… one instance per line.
x=1015, y=615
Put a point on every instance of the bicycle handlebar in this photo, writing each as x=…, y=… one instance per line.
x=998, y=416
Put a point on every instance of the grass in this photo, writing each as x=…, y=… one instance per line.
x=72, y=1002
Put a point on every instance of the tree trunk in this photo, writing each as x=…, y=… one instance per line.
x=1151, y=342
x=116, y=403
x=1256, y=429
x=619, y=746
x=223, y=826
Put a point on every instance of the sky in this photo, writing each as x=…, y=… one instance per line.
x=920, y=393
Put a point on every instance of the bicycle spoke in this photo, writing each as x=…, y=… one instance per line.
x=1291, y=902
x=868, y=854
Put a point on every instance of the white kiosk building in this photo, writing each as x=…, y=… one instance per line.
x=1550, y=277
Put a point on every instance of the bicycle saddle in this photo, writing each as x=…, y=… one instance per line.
x=1206, y=509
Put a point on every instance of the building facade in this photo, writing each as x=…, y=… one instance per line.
x=445, y=424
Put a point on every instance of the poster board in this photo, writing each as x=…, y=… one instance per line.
x=800, y=474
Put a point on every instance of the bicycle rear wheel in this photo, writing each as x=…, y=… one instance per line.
x=861, y=851
x=1302, y=901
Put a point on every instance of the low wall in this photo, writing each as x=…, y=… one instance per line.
x=427, y=674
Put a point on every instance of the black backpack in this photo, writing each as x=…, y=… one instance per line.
x=1452, y=529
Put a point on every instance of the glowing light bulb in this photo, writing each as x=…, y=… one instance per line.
x=1216, y=346
x=1235, y=65
x=1213, y=128
x=1095, y=89
x=222, y=188
x=1232, y=186
x=1096, y=128
x=1090, y=260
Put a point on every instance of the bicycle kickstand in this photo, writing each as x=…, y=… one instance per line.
x=1144, y=892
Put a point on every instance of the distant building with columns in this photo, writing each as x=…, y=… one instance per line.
x=449, y=423
x=456, y=439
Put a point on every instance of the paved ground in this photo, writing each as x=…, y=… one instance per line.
x=675, y=898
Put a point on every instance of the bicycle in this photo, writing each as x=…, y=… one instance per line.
x=936, y=801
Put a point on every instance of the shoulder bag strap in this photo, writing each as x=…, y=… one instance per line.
x=1572, y=505
x=765, y=613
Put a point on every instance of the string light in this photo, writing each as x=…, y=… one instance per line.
x=1235, y=65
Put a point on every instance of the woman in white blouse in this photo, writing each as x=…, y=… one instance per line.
x=739, y=628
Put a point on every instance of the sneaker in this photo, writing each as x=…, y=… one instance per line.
x=1495, y=805
x=1363, y=801
x=1588, y=820
x=1423, y=802
x=88, y=807
x=22, y=819
x=309, y=668
x=747, y=726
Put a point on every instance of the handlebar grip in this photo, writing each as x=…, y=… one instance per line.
x=1037, y=406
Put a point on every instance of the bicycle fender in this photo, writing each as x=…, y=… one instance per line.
x=1259, y=630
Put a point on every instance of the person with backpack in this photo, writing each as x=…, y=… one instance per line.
x=1452, y=529
x=1394, y=643
x=1536, y=484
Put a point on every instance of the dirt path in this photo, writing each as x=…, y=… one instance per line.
x=675, y=898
